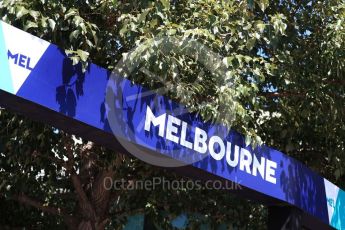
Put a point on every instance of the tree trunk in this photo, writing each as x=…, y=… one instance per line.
x=93, y=213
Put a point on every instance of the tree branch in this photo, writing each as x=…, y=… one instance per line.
x=84, y=203
x=53, y=159
x=24, y=199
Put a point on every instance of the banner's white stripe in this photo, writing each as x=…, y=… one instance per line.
x=331, y=195
x=5, y=73
x=24, y=51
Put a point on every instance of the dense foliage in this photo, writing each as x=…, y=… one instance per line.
x=284, y=66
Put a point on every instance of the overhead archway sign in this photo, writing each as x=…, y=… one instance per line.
x=38, y=80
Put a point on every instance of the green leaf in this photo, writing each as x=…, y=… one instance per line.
x=153, y=23
x=77, y=20
x=171, y=32
x=51, y=23
x=143, y=15
x=44, y=22
x=75, y=60
x=123, y=30
x=250, y=43
x=263, y=4
x=261, y=26
x=34, y=14
x=74, y=35
x=83, y=28
x=70, y=12
x=69, y=52
x=83, y=55
x=21, y=11
x=30, y=24
x=278, y=23
x=166, y=4
x=228, y=61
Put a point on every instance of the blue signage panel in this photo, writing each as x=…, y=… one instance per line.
x=36, y=71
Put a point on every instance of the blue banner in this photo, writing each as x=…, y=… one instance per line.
x=37, y=71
